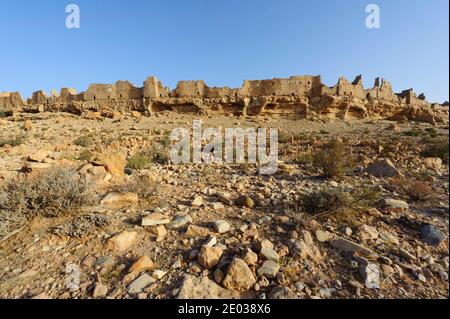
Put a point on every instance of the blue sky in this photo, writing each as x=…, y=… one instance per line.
x=223, y=42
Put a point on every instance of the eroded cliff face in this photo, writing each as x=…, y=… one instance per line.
x=298, y=96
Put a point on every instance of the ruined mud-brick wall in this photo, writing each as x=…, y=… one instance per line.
x=10, y=101
x=297, y=96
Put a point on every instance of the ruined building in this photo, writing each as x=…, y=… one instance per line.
x=298, y=97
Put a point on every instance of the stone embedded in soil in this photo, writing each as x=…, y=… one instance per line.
x=154, y=219
x=269, y=254
x=239, y=276
x=120, y=200
x=431, y=235
x=142, y=263
x=221, y=226
x=269, y=269
x=142, y=282
x=351, y=247
x=209, y=256
x=181, y=221
x=122, y=241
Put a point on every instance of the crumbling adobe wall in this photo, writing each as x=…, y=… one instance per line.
x=297, y=96
x=154, y=89
x=10, y=101
x=308, y=86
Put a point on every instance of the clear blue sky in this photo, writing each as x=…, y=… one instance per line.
x=223, y=42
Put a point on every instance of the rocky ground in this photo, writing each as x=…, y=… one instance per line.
x=154, y=230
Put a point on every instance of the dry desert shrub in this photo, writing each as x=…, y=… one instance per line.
x=416, y=190
x=51, y=193
x=436, y=147
x=143, y=186
x=335, y=159
x=13, y=140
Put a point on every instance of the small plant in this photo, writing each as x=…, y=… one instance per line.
x=83, y=141
x=304, y=159
x=140, y=161
x=335, y=159
x=51, y=193
x=144, y=186
x=432, y=131
x=324, y=201
x=416, y=190
x=284, y=138
x=13, y=141
x=413, y=133
x=85, y=155
x=436, y=148
x=335, y=202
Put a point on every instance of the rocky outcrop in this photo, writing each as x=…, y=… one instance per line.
x=298, y=97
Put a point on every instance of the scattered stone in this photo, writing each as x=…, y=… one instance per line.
x=27, y=125
x=217, y=206
x=202, y=288
x=209, y=256
x=305, y=248
x=370, y=272
x=114, y=163
x=269, y=269
x=159, y=232
x=142, y=282
x=383, y=168
x=211, y=242
x=154, y=219
x=394, y=203
x=122, y=241
x=221, y=226
x=406, y=254
x=431, y=235
x=269, y=254
x=250, y=257
x=260, y=245
x=197, y=231
x=366, y=233
x=120, y=200
x=198, y=201
x=282, y=293
x=351, y=247
x=323, y=236
x=100, y=291
x=158, y=274
x=181, y=221
x=224, y=198
x=245, y=201
x=142, y=263
x=239, y=276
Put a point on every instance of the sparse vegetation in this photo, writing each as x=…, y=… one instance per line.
x=83, y=141
x=140, y=161
x=436, y=148
x=51, y=193
x=144, y=186
x=335, y=159
x=86, y=155
x=13, y=141
x=416, y=190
